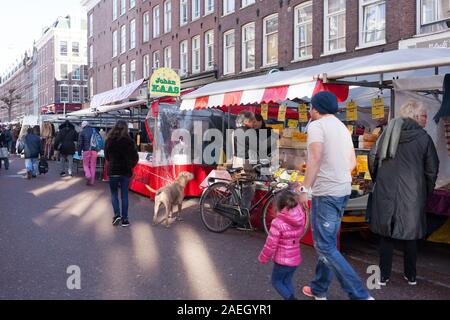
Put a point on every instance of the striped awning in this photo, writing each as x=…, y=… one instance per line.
x=263, y=95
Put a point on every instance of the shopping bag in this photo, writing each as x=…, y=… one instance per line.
x=4, y=153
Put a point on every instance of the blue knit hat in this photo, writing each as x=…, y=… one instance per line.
x=325, y=102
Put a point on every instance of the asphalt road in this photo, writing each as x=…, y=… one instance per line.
x=50, y=223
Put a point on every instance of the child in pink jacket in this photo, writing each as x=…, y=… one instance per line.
x=283, y=243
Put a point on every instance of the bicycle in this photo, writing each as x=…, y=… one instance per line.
x=220, y=202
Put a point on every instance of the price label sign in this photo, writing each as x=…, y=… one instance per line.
x=362, y=164
x=265, y=111
x=302, y=113
x=292, y=123
x=352, y=112
x=282, y=112
x=378, y=108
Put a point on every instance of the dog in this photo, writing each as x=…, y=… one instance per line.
x=170, y=196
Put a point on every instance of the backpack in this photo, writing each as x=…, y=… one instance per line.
x=43, y=166
x=97, y=143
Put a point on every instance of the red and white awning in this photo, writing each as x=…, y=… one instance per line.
x=263, y=95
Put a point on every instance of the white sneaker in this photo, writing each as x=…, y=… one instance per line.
x=410, y=282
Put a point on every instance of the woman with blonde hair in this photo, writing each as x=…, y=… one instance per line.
x=404, y=168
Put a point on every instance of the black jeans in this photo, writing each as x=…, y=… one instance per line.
x=409, y=257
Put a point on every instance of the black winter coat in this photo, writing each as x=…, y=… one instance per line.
x=403, y=185
x=32, y=146
x=66, y=137
x=122, y=156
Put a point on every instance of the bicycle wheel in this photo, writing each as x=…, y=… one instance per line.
x=214, y=197
x=269, y=212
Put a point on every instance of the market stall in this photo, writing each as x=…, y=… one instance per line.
x=291, y=90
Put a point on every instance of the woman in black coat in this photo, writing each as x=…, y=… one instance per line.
x=122, y=156
x=405, y=167
x=65, y=144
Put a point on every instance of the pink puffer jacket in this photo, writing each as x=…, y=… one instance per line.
x=283, y=243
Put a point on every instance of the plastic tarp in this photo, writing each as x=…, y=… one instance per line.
x=300, y=83
x=114, y=95
x=406, y=89
x=117, y=107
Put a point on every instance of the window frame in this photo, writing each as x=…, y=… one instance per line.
x=133, y=70
x=123, y=39
x=247, y=3
x=61, y=95
x=146, y=69
x=115, y=43
x=123, y=73
x=297, y=26
x=115, y=12
x=183, y=23
x=184, y=71
x=208, y=45
x=326, y=26
x=168, y=58
x=156, y=22
x=244, y=47
x=361, y=5
x=195, y=51
x=225, y=55
x=207, y=12
x=265, y=36
x=61, y=48
x=115, y=77
x=132, y=34
x=146, y=27
x=228, y=2
x=73, y=73
x=73, y=95
x=154, y=60
x=123, y=7
x=194, y=4
x=167, y=16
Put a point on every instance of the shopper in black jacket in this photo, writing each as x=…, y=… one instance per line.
x=122, y=156
x=65, y=144
x=405, y=169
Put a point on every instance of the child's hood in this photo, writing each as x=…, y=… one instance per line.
x=293, y=217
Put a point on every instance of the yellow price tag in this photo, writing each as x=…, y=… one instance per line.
x=362, y=164
x=282, y=112
x=292, y=123
x=302, y=113
x=378, y=108
x=352, y=111
x=265, y=111
x=367, y=176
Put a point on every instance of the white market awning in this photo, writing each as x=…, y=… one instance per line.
x=82, y=113
x=301, y=83
x=117, y=107
x=114, y=95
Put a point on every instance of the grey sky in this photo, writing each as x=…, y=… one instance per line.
x=21, y=22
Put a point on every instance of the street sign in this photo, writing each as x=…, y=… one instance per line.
x=352, y=111
x=378, y=108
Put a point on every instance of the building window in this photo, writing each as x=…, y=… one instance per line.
x=303, y=31
x=123, y=7
x=209, y=50
x=372, y=22
x=228, y=6
x=209, y=6
x=184, y=58
x=246, y=3
x=183, y=12
x=75, y=49
x=91, y=87
x=115, y=79
x=63, y=48
x=76, y=72
x=196, y=54
x=91, y=25
x=85, y=94
x=91, y=56
x=132, y=34
x=156, y=22
x=334, y=18
x=76, y=94
x=123, y=39
x=248, y=47
x=123, y=74
x=228, y=52
x=64, y=71
x=146, y=27
x=85, y=73
x=132, y=4
x=64, y=93
x=167, y=16
x=195, y=9
x=433, y=15
x=270, y=40
x=114, y=9
x=114, y=44
x=156, y=60
x=146, y=66
x=132, y=70
x=168, y=57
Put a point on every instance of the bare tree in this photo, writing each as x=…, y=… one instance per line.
x=9, y=99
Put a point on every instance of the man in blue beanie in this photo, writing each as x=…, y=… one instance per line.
x=331, y=159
